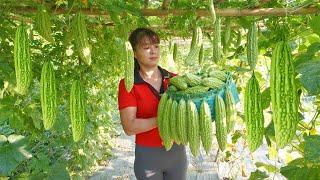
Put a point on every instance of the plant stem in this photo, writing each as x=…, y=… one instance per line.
x=305, y=127
x=312, y=123
x=297, y=148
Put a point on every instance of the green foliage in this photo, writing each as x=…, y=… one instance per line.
x=268, y=167
x=235, y=136
x=43, y=170
x=311, y=149
x=58, y=171
x=13, y=152
x=310, y=76
x=298, y=169
x=269, y=133
x=315, y=24
x=265, y=98
x=310, y=54
x=258, y=175
x=22, y=114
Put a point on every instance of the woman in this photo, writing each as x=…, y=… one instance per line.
x=138, y=112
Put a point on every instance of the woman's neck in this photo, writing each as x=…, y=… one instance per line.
x=150, y=73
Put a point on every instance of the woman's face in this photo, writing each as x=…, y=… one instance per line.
x=147, y=53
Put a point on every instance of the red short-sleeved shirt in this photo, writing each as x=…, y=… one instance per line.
x=146, y=99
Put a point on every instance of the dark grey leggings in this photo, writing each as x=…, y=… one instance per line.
x=153, y=163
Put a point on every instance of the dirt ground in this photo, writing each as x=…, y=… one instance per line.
x=121, y=166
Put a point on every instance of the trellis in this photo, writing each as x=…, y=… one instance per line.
x=225, y=12
x=164, y=11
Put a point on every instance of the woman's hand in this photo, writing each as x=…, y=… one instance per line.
x=133, y=125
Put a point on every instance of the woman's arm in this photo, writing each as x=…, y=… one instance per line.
x=133, y=125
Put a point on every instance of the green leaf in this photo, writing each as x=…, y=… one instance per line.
x=297, y=162
x=268, y=167
x=228, y=154
x=35, y=115
x=3, y=139
x=258, y=76
x=244, y=21
x=297, y=169
x=17, y=121
x=133, y=10
x=257, y=175
x=269, y=133
x=312, y=38
x=313, y=48
x=5, y=113
x=6, y=110
x=7, y=101
x=39, y=164
x=37, y=176
x=236, y=135
x=1, y=83
x=5, y=70
x=308, y=55
x=70, y=3
x=16, y=139
x=13, y=153
x=310, y=76
x=311, y=149
x=294, y=172
x=315, y=24
x=58, y=171
x=265, y=98
x=303, y=58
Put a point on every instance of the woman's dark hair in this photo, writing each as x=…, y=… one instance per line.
x=138, y=35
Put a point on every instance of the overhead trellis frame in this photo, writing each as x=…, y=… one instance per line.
x=226, y=12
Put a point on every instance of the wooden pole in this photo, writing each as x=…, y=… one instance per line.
x=233, y=12
x=230, y=12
